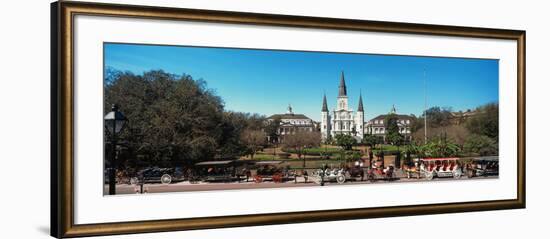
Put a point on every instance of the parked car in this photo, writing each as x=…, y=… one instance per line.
x=482, y=166
x=158, y=175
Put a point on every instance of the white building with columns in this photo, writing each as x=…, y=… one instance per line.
x=342, y=120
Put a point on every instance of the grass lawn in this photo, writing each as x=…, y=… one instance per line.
x=314, y=153
x=266, y=157
x=320, y=150
x=263, y=157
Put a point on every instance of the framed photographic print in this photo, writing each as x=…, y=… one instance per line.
x=173, y=119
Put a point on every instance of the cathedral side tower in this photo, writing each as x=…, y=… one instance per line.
x=360, y=118
x=325, y=120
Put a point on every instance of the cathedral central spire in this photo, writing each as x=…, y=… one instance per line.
x=342, y=91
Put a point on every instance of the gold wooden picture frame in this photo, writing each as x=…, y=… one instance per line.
x=63, y=118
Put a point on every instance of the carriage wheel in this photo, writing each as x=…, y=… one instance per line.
x=429, y=175
x=134, y=181
x=166, y=179
x=258, y=179
x=389, y=176
x=277, y=178
x=340, y=179
x=457, y=174
x=193, y=180
x=316, y=179
x=371, y=177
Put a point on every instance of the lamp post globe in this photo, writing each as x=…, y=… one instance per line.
x=114, y=123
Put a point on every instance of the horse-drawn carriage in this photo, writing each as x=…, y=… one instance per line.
x=412, y=171
x=377, y=171
x=482, y=166
x=215, y=171
x=440, y=167
x=329, y=175
x=340, y=174
x=272, y=170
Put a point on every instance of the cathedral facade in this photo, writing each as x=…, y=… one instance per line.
x=342, y=120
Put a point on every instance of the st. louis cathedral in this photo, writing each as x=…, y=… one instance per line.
x=342, y=120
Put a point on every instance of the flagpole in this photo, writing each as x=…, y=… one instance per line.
x=425, y=110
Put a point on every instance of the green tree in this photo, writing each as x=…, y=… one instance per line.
x=301, y=140
x=232, y=126
x=253, y=140
x=392, y=130
x=481, y=144
x=438, y=147
x=485, y=122
x=272, y=129
x=410, y=149
x=417, y=123
x=438, y=116
x=345, y=141
x=370, y=141
x=177, y=117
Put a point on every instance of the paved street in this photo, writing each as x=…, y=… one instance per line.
x=203, y=186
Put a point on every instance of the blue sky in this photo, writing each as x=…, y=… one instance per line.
x=266, y=81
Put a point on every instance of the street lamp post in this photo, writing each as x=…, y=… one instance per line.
x=114, y=123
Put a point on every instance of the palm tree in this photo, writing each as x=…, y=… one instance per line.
x=439, y=147
x=370, y=140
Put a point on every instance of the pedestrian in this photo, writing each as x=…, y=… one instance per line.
x=247, y=174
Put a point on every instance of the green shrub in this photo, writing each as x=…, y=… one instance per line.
x=481, y=144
